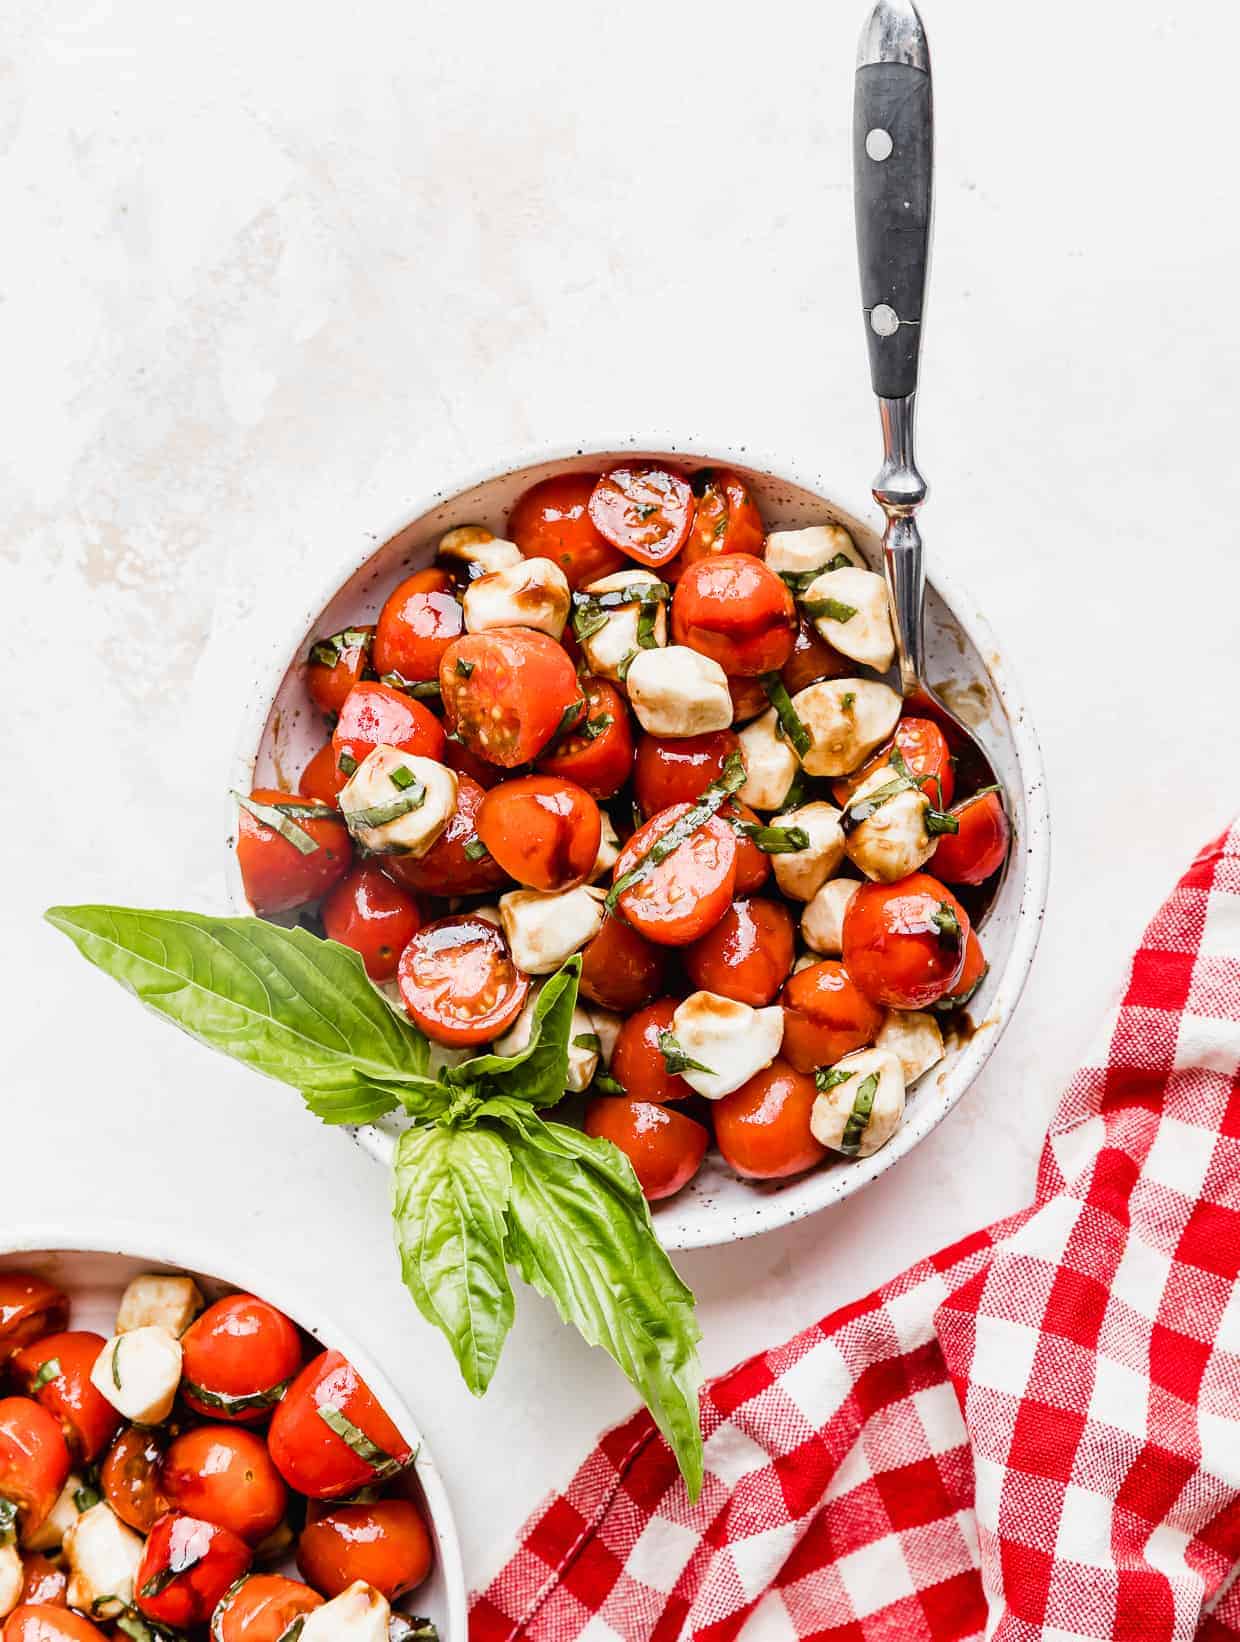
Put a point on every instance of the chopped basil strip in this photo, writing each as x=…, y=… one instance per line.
x=607, y=1085
x=8, y=1521
x=947, y=924
x=697, y=815
x=863, y=1105
x=327, y=652
x=848, y=700
x=49, y=1371
x=947, y=1006
x=775, y=840
x=475, y=849
x=378, y=815
x=137, y=1629
x=179, y=1562
x=675, y=1059
x=294, y=1630
x=799, y=580
x=861, y=809
x=938, y=821
x=346, y=764
x=116, y=1362
x=277, y=817
x=587, y=622
x=568, y=719
x=402, y=776
x=833, y=609
x=463, y=667
x=235, y=1405
x=789, y=719
x=410, y=1628
x=590, y=1041
x=622, y=671
x=645, y=626
x=830, y=1077
x=590, y=609
x=383, y=1465
x=421, y=689
x=594, y=727
x=85, y=1497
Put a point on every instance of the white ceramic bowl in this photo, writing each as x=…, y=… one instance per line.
x=282, y=728
x=94, y=1274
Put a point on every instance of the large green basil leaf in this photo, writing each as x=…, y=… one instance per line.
x=537, y=1074
x=451, y=1189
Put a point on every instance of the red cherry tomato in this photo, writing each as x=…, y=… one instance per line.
x=223, y=1474
x=506, y=692
x=644, y=511
x=904, y=943
x=763, y=1129
x=826, y=1015
x=458, y=757
x=753, y=865
x=747, y=955
x=376, y=715
x=87, y=1418
x=749, y=698
x=736, y=611
x=330, y=682
x=598, y=753
x=385, y=1544
x=544, y=832
x=676, y=771
x=726, y=520
x=552, y=521
x=446, y=869
x=620, y=969
x=186, y=1568
x=689, y=890
x=42, y=1622
x=130, y=1478
x=309, y=1453
x=262, y=1608
x=43, y=1581
x=458, y=981
x=664, y=1146
x=34, y=1460
x=322, y=777
x=812, y=659
x=29, y=1307
x=276, y=875
x=416, y=625
x=980, y=848
x=637, y=1061
x=924, y=749
x=374, y=916
x=238, y=1357
x=971, y=976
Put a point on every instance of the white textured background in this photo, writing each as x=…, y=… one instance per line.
x=272, y=270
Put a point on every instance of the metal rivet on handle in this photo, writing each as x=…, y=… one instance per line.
x=878, y=143
x=884, y=320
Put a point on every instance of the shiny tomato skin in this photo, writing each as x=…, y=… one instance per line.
x=385, y=1544
x=505, y=693
x=676, y=770
x=552, y=521
x=223, y=1474
x=445, y=869
x=980, y=848
x=374, y=916
x=213, y=1558
x=599, y=761
x=34, y=1459
x=416, y=625
x=322, y=777
x=895, y=947
x=637, y=1061
x=621, y=969
x=826, y=1015
x=763, y=1129
x=87, y=1418
x=688, y=892
x=812, y=658
x=664, y=1146
x=736, y=611
x=329, y=686
x=276, y=875
x=457, y=756
x=749, y=698
x=971, y=976
x=753, y=865
x=43, y=1581
x=459, y=983
x=45, y=1622
x=130, y=1478
x=644, y=511
x=262, y=1608
x=725, y=520
x=543, y=831
x=924, y=749
x=376, y=715
x=241, y=1350
x=29, y=1307
x=308, y=1454
x=747, y=955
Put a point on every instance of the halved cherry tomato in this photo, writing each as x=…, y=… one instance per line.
x=446, y=869
x=924, y=749
x=34, y=1460
x=753, y=865
x=458, y=981
x=687, y=892
x=239, y=1356
x=374, y=916
x=29, y=1307
x=544, y=832
x=726, y=520
x=749, y=698
x=62, y=1363
x=262, y=1608
x=507, y=692
x=416, y=625
x=747, y=955
x=385, y=1544
x=43, y=1581
x=905, y=943
x=676, y=771
x=736, y=611
x=664, y=1146
x=276, y=875
x=552, y=521
x=644, y=511
x=330, y=684
x=223, y=1474
x=186, y=1568
x=457, y=756
x=620, y=969
x=322, y=777
x=763, y=1129
x=826, y=1015
x=637, y=1061
x=376, y=715
x=813, y=658
x=43, y=1622
x=598, y=752
x=130, y=1478
x=980, y=848
x=309, y=1453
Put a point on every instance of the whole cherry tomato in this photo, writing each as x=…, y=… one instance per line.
x=980, y=848
x=187, y=1566
x=507, y=692
x=644, y=511
x=826, y=1015
x=763, y=1129
x=459, y=983
x=239, y=1357
x=753, y=865
x=726, y=520
x=34, y=1460
x=376, y=715
x=416, y=625
x=223, y=1474
x=374, y=916
x=687, y=892
x=925, y=752
x=736, y=611
x=971, y=976
x=327, y=1397
x=59, y=1365
x=670, y=770
x=664, y=1146
x=43, y=1581
x=904, y=943
x=29, y=1307
x=130, y=1478
x=262, y=1608
x=552, y=521
x=336, y=665
x=543, y=831
x=279, y=875
x=637, y=1062
x=621, y=969
x=44, y=1622
x=385, y=1544
x=747, y=955
x=598, y=752
x=322, y=777
x=456, y=863
x=749, y=698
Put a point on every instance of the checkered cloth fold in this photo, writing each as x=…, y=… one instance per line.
x=1035, y=1433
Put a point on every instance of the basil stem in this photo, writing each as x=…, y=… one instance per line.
x=834, y=609
x=278, y=818
x=328, y=652
x=863, y=1105
x=675, y=1059
x=697, y=815
x=383, y=1465
x=789, y=719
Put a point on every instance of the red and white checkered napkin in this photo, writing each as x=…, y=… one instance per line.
x=1035, y=1433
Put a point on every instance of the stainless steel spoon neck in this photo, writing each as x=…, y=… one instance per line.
x=900, y=490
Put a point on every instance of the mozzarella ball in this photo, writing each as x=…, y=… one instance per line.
x=608, y=848
x=534, y=593
x=582, y=1060
x=865, y=636
x=11, y=1579
x=542, y=930
x=678, y=692
x=801, y=873
x=139, y=1373
x=358, y=1614
x=833, y=1108
x=913, y=1036
x=50, y=1534
x=797, y=552
x=732, y=1039
x=477, y=551
x=847, y=718
x=165, y=1302
x=608, y=650
x=770, y=763
x=606, y=1028
x=822, y=922
x=103, y=1557
x=490, y=912
x=371, y=787
x=893, y=841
